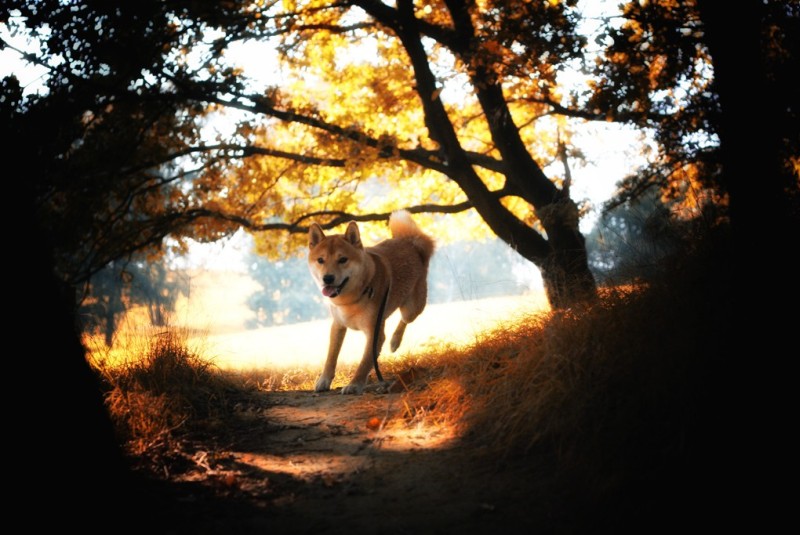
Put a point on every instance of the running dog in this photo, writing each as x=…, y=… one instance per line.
x=363, y=286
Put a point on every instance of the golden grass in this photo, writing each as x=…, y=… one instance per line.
x=163, y=389
x=555, y=377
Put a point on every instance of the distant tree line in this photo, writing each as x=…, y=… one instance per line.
x=123, y=285
x=633, y=238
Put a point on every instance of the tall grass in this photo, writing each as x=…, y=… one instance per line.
x=164, y=390
x=622, y=403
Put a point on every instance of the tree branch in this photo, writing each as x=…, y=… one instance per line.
x=429, y=159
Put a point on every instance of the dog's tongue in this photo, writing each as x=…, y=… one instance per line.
x=329, y=290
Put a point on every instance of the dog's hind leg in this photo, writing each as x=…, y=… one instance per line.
x=334, y=347
x=409, y=311
x=397, y=337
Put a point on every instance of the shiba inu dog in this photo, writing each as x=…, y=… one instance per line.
x=364, y=285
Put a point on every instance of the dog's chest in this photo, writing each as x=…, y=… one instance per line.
x=360, y=318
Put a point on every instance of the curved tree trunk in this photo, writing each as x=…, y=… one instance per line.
x=566, y=275
x=564, y=263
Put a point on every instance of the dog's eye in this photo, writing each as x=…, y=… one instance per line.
x=343, y=260
x=320, y=260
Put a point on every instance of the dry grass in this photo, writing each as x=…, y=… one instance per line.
x=164, y=390
x=620, y=403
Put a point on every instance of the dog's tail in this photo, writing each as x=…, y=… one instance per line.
x=402, y=226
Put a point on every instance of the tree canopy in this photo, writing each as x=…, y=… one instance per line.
x=439, y=107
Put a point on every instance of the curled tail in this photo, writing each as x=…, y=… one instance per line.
x=402, y=226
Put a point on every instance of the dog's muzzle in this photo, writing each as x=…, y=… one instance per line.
x=330, y=290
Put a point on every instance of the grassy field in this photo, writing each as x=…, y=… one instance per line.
x=305, y=344
x=215, y=315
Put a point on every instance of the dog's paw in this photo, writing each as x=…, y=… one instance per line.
x=353, y=388
x=323, y=384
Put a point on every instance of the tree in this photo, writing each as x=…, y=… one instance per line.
x=458, y=107
x=628, y=241
x=87, y=445
x=338, y=143
x=491, y=270
x=710, y=132
x=392, y=119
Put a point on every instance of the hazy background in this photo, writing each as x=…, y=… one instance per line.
x=248, y=312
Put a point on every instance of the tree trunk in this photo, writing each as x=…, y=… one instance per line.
x=157, y=313
x=567, y=279
x=565, y=269
x=110, y=320
x=76, y=453
x=561, y=257
x=762, y=186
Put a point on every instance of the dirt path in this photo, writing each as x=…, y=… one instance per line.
x=325, y=463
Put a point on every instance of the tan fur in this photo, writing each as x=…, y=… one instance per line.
x=355, y=280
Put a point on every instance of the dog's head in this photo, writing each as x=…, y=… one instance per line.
x=337, y=261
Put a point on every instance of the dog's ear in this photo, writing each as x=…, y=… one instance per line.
x=353, y=235
x=315, y=235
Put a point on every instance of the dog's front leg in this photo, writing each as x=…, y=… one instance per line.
x=334, y=346
x=367, y=363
